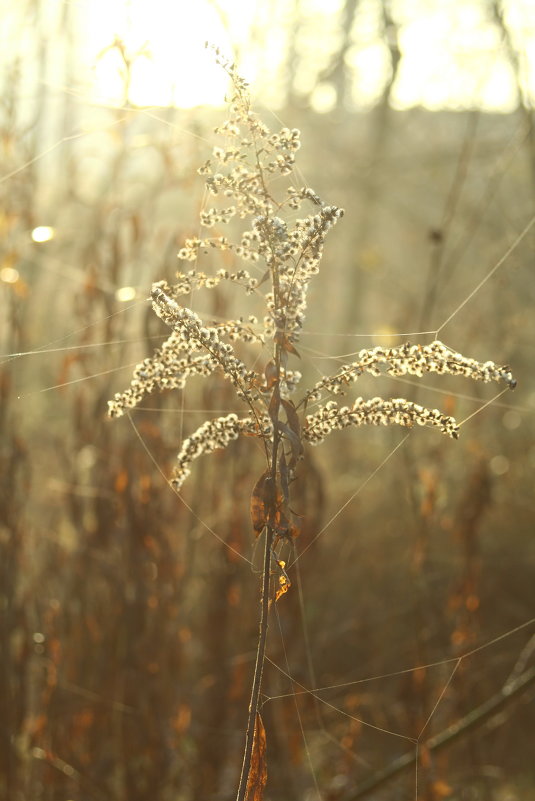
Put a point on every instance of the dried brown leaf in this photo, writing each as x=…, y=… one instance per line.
x=257, y=778
x=273, y=408
x=292, y=416
x=294, y=440
x=283, y=471
x=282, y=339
x=271, y=374
x=260, y=501
x=281, y=522
x=294, y=529
x=284, y=581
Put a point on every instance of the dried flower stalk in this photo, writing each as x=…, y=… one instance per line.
x=284, y=255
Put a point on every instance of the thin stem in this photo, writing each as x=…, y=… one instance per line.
x=259, y=668
x=266, y=575
x=275, y=409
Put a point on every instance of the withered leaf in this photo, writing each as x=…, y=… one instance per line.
x=294, y=440
x=290, y=348
x=284, y=581
x=260, y=500
x=270, y=372
x=257, y=778
x=282, y=339
x=294, y=529
x=273, y=407
x=291, y=416
x=281, y=521
x=283, y=471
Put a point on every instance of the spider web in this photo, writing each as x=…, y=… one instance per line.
x=346, y=721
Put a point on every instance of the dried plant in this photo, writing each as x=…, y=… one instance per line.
x=284, y=254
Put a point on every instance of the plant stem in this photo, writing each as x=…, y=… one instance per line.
x=264, y=602
x=259, y=667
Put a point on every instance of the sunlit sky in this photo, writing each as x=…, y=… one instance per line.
x=452, y=51
x=175, y=68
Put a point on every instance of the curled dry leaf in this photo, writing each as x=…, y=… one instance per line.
x=284, y=581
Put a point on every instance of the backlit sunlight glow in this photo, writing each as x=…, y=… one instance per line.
x=125, y=293
x=8, y=275
x=166, y=45
x=453, y=55
x=43, y=233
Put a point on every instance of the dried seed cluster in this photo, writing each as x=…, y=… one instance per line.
x=376, y=411
x=169, y=368
x=285, y=254
x=411, y=360
x=210, y=436
x=191, y=349
x=295, y=254
x=239, y=171
x=240, y=329
x=196, y=336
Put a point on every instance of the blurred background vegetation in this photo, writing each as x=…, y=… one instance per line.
x=127, y=631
